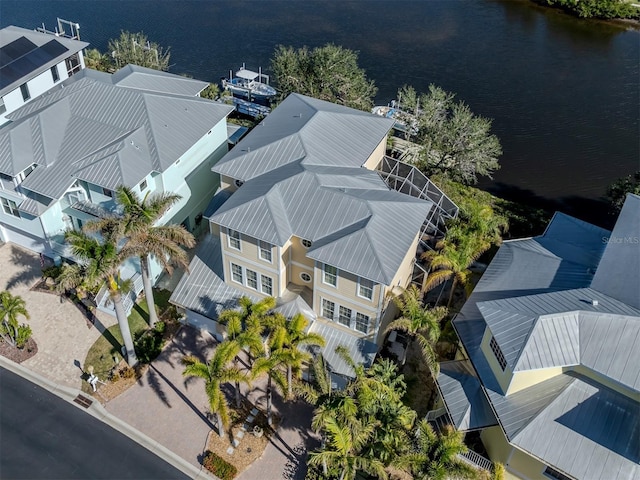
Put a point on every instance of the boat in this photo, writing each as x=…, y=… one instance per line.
x=404, y=122
x=249, y=84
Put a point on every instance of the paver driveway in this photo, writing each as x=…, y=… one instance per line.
x=60, y=330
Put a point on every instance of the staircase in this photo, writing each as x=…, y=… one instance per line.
x=104, y=303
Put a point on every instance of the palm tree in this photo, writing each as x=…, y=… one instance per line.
x=342, y=447
x=215, y=373
x=318, y=389
x=143, y=237
x=271, y=365
x=422, y=324
x=290, y=336
x=436, y=456
x=10, y=308
x=99, y=264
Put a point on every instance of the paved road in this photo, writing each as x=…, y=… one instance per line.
x=44, y=437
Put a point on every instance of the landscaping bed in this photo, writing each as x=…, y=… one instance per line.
x=18, y=355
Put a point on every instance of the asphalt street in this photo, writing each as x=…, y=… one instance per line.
x=45, y=437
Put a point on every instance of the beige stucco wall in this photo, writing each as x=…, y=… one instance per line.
x=402, y=278
x=521, y=380
x=374, y=159
x=347, y=288
x=227, y=183
x=503, y=377
x=518, y=464
x=298, y=253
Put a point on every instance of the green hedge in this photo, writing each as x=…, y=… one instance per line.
x=219, y=466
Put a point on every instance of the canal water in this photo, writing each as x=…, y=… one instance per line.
x=563, y=93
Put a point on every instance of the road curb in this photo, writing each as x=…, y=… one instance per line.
x=97, y=411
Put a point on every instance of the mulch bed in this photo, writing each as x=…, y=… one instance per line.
x=18, y=355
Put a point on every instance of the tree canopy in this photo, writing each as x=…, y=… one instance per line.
x=135, y=48
x=597, y=8
x=328, y=73
x=617, y=191
x=455, y=142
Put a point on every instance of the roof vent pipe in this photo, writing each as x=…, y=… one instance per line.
x=594, y=303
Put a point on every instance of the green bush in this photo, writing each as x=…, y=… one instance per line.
x=219, y=466
x=160, y=327
x=149, y=343
x=24, y=334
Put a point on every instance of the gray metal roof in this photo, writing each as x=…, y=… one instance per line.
x=618, y=273
x=303, y=177
x=580, y=427
x=536, y=295
x=24, y=54
x=203, y=289
x=463, y=396
x=134, y=76
x=104, y=134
x=362, y=351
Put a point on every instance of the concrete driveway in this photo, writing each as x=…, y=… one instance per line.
x=60, y=330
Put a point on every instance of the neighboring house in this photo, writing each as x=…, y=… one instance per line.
x=304, y=216
x=31, y=63
x=551, y=335
x=63, y=154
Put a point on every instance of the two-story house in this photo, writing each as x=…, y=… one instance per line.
x=31, y=63
x=551, y=336
x=304, y=216
x=63, y=154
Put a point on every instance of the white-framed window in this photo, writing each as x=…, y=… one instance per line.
x=107, y=193
x=234, y=239
x=55, y=75
x=362, y=322
x=305, y=277
x=330, y=275
x=252, y=279
x=497, y=351
x=365, y=288
x=236, y=273
x=328, y=308
x=10, y=207
x=306, y=243
x=553, y=473
x=143, y=184
x=267, y=285
x=264, y=251
x=344, y=316
x=24, y=89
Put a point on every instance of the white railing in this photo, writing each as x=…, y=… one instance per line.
x=433, y=414
x=476, y=460
x=128, y=301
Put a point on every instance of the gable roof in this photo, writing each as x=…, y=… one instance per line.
x=24, y=54
x=92, y=130
x=300, y=169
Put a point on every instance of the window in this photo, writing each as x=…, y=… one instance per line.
x=252, y=279
x=107, y=193
x=328, y=308
x=234, y=239
x=305, y=277
x=3, y=108
x=143, y=185
x=365, y=288
x=306, y=243
x=24, y=89
x=345, y=316
x=330, y=276
x=362, y=323
x=553, y=473
x=265, y=250
x=236, y=273
x=498, y=353
x=267, y=285
x=73, y=64
x=54, y=73
x=10, y=207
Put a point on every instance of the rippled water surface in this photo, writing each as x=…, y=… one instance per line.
x=563, y=92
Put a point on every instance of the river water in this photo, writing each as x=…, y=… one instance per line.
x=563, y=93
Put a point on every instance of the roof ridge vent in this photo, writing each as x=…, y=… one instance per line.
x=594, y=302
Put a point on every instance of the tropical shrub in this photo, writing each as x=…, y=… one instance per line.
x=219, y=466
x=24, y=334
x=149, y=343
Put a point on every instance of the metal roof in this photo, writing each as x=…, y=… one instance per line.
x=303, y=176
x=203, y=290
x=463, y=396
x=24, y=54
x=362, y=351
x=535, y=294
x=575, y=424
x=150, y=80
x=618, y=272
x=92, y=130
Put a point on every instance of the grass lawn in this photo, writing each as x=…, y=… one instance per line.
x=101, y=353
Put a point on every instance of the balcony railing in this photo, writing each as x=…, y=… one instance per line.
x=476, y=460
